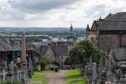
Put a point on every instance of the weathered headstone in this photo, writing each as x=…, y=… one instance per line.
x=39, y=68
x=30, y=68
x=88, y=72
x=11, y=72
x=110, y=76
x=100, y=71
x=94, y=74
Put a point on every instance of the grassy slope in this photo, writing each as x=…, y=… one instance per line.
x=39, y=77
x=74, y=77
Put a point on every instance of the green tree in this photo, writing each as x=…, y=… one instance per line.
x=82, y=52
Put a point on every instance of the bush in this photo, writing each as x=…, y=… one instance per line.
x=43, y=64
x=35, y=68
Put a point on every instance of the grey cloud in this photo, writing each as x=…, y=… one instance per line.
x=9, y=14
x=39, y=5
x=101, y=8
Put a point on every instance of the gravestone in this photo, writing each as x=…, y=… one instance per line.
x=94, y=74
x=110, y=76
x=10, y=75
x=30, y=68
x=85, y=71
x=39, y=68
x=100, y=68
x=89, y=74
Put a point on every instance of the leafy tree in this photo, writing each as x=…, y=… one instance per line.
x=82, y=52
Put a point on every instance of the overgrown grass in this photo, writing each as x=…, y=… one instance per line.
x=39, y=77
x=74, y=77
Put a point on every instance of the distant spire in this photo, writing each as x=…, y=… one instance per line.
x=100, y=18
x=88, y=28
x=71, y=28
x=110, y=11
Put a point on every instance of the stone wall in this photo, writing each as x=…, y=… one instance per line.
x=108, y=41
x=123, y=40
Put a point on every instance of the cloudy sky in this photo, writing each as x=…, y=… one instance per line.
x=56, y=13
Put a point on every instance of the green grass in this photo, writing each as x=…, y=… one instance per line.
x=39, y=77
x=74, y=77
x=8, y=82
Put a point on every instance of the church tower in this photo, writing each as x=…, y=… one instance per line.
x=72, y=34
x=71, y=28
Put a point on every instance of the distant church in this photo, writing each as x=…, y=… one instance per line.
x=72, y=34
x=71, y=28
x=108, y=33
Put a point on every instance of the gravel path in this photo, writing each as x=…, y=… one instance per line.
x=56, y=78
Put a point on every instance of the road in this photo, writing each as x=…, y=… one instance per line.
x=56, y=78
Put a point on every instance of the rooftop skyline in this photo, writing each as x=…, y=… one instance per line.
x=56, y=13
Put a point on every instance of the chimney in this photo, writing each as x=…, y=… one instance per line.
x=23, y=49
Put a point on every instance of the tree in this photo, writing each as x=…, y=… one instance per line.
x=82, y=52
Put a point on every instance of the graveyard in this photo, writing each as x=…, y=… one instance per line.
x=97, y=59
x=62, y=41
x=96, y=55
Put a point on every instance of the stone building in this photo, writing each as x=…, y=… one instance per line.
x=109, y=32
x=56, y=52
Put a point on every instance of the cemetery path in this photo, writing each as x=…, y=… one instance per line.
x=56, y=78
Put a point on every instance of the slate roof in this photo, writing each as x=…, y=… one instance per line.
x=43, y=49
x=112, y=22
x=59, y=50
x=4, y=45
x=111, y=25
x=121, y=16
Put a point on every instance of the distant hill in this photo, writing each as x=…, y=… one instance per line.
x=36, y=29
